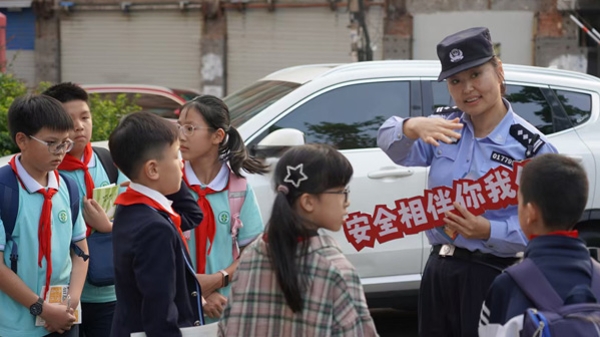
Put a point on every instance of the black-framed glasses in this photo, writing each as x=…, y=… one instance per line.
x=188, y=129
x=56, y=147
x=345, y=192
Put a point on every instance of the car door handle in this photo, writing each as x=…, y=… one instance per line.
x=578, y=159
x=390, y=173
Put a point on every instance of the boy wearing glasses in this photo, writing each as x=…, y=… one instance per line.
x=86, y=166
x=44, y=229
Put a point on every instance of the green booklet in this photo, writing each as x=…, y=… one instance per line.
x=106, y=196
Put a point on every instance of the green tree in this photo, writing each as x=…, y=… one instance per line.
x=10, y=88
x=106, y=111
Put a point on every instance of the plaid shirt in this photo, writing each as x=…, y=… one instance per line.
x=333, y=305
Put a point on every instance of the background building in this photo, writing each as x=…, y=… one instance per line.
x=218, y=47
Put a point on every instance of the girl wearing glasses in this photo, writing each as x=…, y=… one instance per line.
x=294, y=281
x=214, y=155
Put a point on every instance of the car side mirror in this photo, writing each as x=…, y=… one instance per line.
x=277, y=142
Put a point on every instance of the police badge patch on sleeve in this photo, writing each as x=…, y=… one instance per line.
x=502, y=159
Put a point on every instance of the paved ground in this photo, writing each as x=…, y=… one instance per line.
x=395, y=323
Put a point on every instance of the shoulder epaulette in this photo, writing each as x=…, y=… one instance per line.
x=446, y=110
x=531, y=141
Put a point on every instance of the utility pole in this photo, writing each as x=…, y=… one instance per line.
x=359, y=33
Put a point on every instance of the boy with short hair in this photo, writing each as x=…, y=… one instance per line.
x=44, y=228
x=156, y=285
x=84, y=165
x=552, y=197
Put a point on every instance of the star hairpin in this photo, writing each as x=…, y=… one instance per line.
x=295, y=175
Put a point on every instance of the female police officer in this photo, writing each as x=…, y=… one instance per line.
x=469, y=251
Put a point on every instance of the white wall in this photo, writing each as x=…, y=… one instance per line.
x=512, y=29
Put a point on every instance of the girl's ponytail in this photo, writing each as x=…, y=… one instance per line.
x=234, y=150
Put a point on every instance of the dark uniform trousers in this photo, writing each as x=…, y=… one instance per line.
x=453, y=289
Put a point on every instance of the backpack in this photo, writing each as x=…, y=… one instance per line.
x=552, y=317
x=108, y=164
x=9, y=192
x=237, y=196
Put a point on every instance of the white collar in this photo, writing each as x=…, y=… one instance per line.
x=92, y=162
x=217, y=184
x=31, y=185
x=154, y=195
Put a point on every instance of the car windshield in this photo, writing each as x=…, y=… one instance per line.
x=247, y=102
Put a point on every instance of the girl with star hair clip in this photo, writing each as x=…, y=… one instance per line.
x=295, y=281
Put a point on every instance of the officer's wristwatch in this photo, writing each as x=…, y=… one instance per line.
x=225, y=277
x=36, y=308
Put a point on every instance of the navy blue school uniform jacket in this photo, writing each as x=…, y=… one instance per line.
x=156, y=286
x=564, y=261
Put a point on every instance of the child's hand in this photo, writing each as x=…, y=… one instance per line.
x=94, y=215
x=215, y=303
x=58, y=317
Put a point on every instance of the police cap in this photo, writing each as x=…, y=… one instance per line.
x=463, y=50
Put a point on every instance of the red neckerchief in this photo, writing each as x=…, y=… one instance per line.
x=207, y=229
x=70, y=163
x=572, y=234
x=44, y=226
x=133, y=197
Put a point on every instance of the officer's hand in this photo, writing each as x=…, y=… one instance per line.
x=432, y=130
x=467, y=224
x=215, y=303
x=93, y=215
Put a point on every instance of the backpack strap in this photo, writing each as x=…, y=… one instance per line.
x=107, y=162
x=535, y=285
x=595, y=279
x=74, y=203
x=237, y=196
x=9, y=194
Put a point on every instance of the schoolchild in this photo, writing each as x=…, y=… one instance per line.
x=44, y=228
x=469, y=251
x=294, y=281
x=554, y=247
x=156, y=287
x=214, y=156
x=83, y=165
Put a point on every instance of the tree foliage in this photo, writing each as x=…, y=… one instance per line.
x=106, y=113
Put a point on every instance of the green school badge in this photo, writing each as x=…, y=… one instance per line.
x=104, y=183
x=62, y=216
x=224, y=217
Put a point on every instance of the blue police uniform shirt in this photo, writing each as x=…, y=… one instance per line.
x=15, y=319
x=470, y=158
x=221, y=255
x=93, y=294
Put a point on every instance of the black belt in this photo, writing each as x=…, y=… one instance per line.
x=491, y=260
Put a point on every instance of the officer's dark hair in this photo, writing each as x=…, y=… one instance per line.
x=558, y=186
x=138, y=138
x=67, y=92
x=216, y=115
x=31, y=113
x=495, y=62
x=324, y=168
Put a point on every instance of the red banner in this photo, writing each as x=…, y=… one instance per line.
x=496, y=189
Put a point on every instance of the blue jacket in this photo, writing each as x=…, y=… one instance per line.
x=563, y=260
x=156, y=286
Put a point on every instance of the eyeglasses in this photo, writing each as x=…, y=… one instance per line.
x=345, y=192
x=188, y=129
x=56, y=147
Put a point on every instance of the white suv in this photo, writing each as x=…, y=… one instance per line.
x=344, y=105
